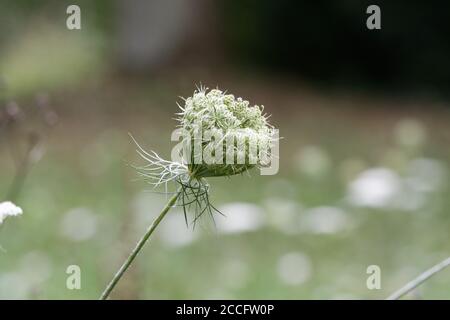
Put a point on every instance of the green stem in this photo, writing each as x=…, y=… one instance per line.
x=138, y=247
x=410, y=286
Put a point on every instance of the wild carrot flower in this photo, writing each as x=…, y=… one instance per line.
x=221, y=136
x=9, y=209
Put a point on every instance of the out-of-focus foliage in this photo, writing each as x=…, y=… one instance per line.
x=47, y=58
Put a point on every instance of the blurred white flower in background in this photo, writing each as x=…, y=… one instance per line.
x=240, y=217
x=79, y=224
x=9, y=209
x=374, y=188
x=294, y=268
x=384, y=188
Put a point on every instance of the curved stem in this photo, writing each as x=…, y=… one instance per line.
x=138, y=247
x=419, y=280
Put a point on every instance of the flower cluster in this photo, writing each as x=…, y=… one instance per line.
x=241, y=132
x=8, y=209
x=222, y=136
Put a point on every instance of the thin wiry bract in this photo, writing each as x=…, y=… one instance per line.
x=193, y=191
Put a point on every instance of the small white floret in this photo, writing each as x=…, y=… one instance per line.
x=9, y=209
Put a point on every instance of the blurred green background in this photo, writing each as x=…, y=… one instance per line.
x=364, y=160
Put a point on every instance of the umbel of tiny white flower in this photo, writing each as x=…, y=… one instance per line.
x=9, y=209
x=233, y=119
x=245, y=137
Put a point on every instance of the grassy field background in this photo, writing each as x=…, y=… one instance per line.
x=364, y=159
x=357, y=186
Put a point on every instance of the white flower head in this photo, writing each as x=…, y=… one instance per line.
x=243, y=127
x=8, y=209
x=222, y=136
